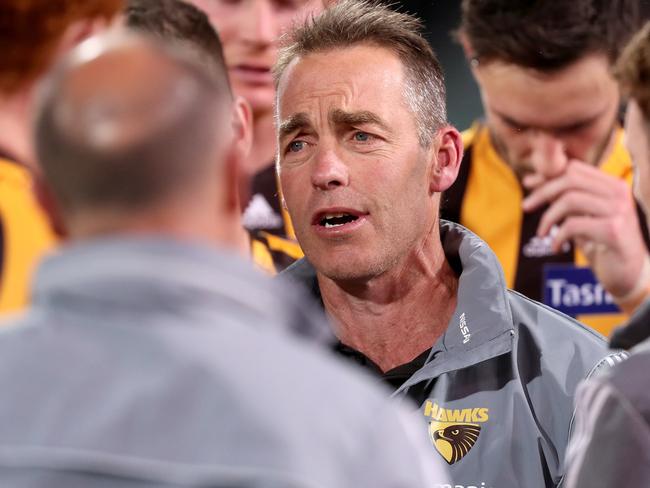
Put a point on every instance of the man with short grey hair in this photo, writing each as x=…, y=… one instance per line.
x=153, y=355
x=420, y=302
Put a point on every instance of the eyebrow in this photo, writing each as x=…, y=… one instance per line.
x=294, y=123
x=337, y=117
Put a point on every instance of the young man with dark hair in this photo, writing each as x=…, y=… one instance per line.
x=33, y=34
x=365, y=152
x=545, y=178
x=611, y=446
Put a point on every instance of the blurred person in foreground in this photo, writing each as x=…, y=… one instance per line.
x=33, y=33
x=250, y=32
x=364, y=153
x=611, y=446
x=164, y=359
x=546, y=180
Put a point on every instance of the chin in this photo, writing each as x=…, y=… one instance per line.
x=347, y=268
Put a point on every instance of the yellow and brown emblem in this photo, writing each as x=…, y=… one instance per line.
x=455, y=440
x=454, y=432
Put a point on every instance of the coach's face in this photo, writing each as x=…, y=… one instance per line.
x=360, y=188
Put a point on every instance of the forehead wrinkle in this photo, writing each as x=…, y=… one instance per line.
x=342, y=117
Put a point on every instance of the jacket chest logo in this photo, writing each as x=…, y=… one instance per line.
x=453, y=432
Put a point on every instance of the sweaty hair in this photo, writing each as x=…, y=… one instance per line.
x=175, y=21
x=31, y=30
x=130, y=128
x=633, y=70
x=547, y=35
x=353, y=22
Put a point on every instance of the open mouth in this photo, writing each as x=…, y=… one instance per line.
x=336, y=220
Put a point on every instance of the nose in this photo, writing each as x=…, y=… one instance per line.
x=329, y=171
x=548, y=154
x=260, y=24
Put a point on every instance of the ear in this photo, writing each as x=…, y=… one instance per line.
x=49, y=204
x=239, y=176
x=243, y=125
x=447, y=156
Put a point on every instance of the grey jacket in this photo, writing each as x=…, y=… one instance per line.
x=155, y=363
x=611, y=445
x=499, y=384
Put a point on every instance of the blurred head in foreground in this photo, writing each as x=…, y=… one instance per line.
x=135, y=136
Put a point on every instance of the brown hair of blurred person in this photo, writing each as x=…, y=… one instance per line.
x=633, y=74
x=425, y=87
x=120, y=152
x=633, y=70
x=174, y=21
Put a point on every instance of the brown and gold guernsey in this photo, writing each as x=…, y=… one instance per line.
x=273, y=253
x=25, y=235
x=273, y=240
x=486, y=198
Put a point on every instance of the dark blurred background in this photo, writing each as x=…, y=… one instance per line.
x=441, y=17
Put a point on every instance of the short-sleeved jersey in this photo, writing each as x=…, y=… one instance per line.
x=487, y=197
x=25, y=235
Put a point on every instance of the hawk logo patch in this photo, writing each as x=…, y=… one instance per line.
x=454, y=432
x=454, y=441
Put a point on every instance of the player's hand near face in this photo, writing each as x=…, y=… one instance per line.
x=598, y=213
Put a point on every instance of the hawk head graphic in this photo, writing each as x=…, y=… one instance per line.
x=454, y=441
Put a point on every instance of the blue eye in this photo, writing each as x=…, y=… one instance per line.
x=361, y=137
x=296, y=146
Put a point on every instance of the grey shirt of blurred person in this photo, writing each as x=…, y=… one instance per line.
x=152, y=355
x=364, y=154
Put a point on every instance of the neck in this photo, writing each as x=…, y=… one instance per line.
x=15, y=128
x=178, y=223
x=396, y=316
x=262, y=153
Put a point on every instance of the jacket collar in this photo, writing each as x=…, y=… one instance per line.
x=481, y=326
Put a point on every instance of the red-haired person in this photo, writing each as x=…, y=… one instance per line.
x=33, y=33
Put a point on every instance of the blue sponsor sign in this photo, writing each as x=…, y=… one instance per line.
x=575, y=291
